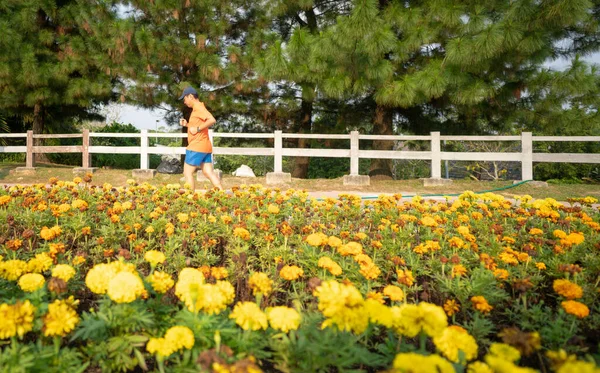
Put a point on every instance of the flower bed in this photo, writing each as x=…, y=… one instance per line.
x=161, y=279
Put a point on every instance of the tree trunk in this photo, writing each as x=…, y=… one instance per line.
x=300, y=169
x=382, y=125
x=38, y=128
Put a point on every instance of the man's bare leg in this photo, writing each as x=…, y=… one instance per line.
x=188, y=173
x=209, y=172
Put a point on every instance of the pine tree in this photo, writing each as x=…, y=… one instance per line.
x=295, y=27
x=46, y=69
x=452, y=66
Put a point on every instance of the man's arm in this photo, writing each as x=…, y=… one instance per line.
x=197, y=124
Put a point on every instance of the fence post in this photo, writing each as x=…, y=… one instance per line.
x=29, y=157
x=278, y=144
x=144, y=157
x=526, y=156
x=436, y=156
x=354, y=147
x=85, y=149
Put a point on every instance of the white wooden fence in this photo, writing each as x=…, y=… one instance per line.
x=526, y=156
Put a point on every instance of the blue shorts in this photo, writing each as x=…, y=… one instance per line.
x=196, y=158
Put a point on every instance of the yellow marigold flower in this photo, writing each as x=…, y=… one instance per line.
x=405, y=277
x=159, y=346
x=50, y=233
x=226, y=219
x=458, y=270
x=481, y=304
x=456, y=242
x=479, y=367
x=428, y=221
x=567, y=289
x=149, y=230
x=317, y=239
x=169, y=229
x=536, y=232
x=379, y=313
x=453, y=339
x=559, y=234
x=334, y=242
x=291, y=272
x=394, y=293
x=183, y=217
x=31, y=282
x=241, y=233
x=328, y=263
x=63, y=271
x=260, y=283
x=4, y=200
x=125, y=287
x=360, y=236
x=98, y=277
x=227, y=290
x=573, y=307
x=210, y=299
x=273, y=209
x=154, y=257
x=16, y=319
x=41, y=263
x=410, y=319
x=78, y=260
x=559, y=357
x=79, y=204
x=505, y=352
x=578, y=367
x=541, y=266
x=11, y=270
x=574, y=238
x=186, y=289
x=342, y=305
x=463, y=231
x=249, y=316
x=407, y=362
x=60, y=320
x=370, y=271
x=350, y=249
x=283, y=318
x=219, y=273
x=451, y=307
x=161, y=281
x=180, y=337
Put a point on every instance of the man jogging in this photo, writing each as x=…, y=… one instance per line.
x=198, y=153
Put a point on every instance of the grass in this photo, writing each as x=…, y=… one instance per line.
x=116, y=177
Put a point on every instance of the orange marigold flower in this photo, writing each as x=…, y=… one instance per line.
x=501, y=274
x=458, y=271
x=405, y=277
x=567, y=289
x=481, y=304
x=451, y=307
x=573, y=307
x=219, y=273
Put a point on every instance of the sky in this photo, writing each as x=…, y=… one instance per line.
x=153, y=119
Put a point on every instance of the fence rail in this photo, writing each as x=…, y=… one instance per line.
x=526, y=156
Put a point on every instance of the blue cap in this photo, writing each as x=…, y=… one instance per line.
x=188, y=91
